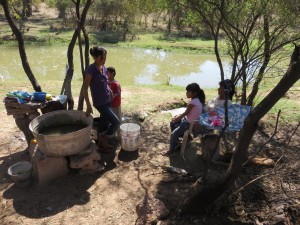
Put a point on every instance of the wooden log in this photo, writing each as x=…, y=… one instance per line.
x=262, y=162
x=23, y=125
x=19, y=111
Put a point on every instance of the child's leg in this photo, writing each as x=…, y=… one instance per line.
x=174, y=125
x=179, y=131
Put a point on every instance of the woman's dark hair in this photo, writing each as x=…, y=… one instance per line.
x=228, y=85
x=97, y=51
x=112, y=70
x=195, y=88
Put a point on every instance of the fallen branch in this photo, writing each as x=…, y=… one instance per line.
x=275, y=131
x=288, y=143
x=252, y=181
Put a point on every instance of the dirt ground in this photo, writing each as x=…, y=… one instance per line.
x=111, y=196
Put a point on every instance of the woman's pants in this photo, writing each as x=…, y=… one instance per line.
x=108, y=122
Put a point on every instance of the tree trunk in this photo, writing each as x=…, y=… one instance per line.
x=125, y=29
x=70, y=72
x=87, y=62
x=267, y=57
x=206, y=192
x=22, y=51
x=27, y=10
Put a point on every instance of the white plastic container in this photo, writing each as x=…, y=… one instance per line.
x=130, y=134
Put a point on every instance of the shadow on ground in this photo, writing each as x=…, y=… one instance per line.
x=44, y=200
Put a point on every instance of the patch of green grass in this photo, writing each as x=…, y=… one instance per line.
x=160, y=41
x=289, y=110
x=137, y=98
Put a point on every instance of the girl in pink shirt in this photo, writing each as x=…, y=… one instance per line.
x=182, y=122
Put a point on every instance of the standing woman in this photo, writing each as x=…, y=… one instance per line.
x=95, y=78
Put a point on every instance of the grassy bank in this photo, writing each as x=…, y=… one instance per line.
x=138, y=98
x=41, y=30
x=134, y=98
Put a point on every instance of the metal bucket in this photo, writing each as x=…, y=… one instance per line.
x=20, y=173
x=66, y=143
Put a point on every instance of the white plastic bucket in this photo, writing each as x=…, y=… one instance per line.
x=130, y=134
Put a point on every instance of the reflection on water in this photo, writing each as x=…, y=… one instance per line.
x=134, y=66
x=205, y=76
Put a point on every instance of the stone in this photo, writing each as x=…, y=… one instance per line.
x=47, y=168
x=142, y=116
x=151, y=209
x=92, y=168
x=80, y=161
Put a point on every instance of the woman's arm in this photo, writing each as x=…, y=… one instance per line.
x=86, y=84
x=111, y=94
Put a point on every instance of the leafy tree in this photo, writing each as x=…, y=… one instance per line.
x=255, y=34
x=61, y=6
x=207, y=191
x=21, y=45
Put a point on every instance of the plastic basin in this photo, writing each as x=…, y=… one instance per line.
x=20, y=172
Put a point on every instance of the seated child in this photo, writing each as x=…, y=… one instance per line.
x=220, y=99
x=182, y=122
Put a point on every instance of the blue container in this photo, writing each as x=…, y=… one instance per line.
x=39, y=96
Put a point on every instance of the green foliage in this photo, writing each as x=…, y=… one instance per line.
x=60, y=5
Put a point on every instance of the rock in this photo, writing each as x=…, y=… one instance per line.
x=47, y=168
x=151, y=209
x=142, y=116
x=82, y=160
x=92, y=168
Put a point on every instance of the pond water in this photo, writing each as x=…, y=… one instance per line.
x=133, y=65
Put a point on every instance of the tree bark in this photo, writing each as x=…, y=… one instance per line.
x=206, y=192
x=267, y=57
x=27, y=9
x=70, y=72
x=22, y=51
x=87, y=62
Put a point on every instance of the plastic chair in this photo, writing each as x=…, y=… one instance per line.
x=186, y=135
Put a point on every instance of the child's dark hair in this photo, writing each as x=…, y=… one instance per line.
x=195, y=88
x=97, y=51
x=112, y=70
x=228, y=85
